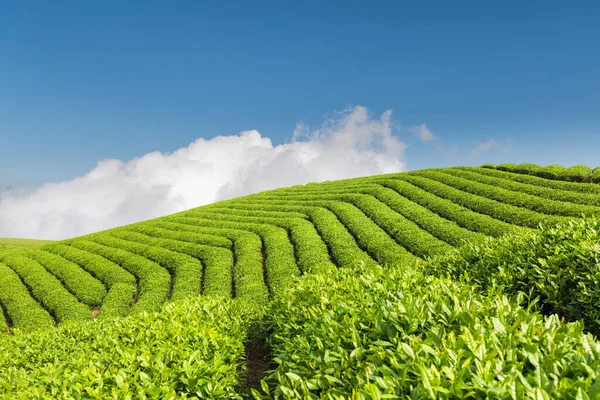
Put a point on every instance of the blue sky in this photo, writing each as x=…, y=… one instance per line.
x=85, y=81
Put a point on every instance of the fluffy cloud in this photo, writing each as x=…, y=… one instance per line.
x=116, y=192
x=490, y=145
x=423, y=132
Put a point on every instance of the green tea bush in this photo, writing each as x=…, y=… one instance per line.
x=505, y=180
x=377, y=333
x=560, y=265
x=330, y=234
x=583, y=188
x=368, y=234
x=489, y=166
x=156, y=228
x=81, y=283
x=443, y=229
x=506, y=167
x=3, y=322
x=121, y=284
x=280, y=261
x=405, y=232
x=452, y=211
x=26, y=314
x=455, y=190
x=309, y=248
x=553, y=171
x=47, y=289
x=595, y=178
x=426, y=220
x=185, y=270
x=493, y=190
x=190, y=348
x=529, y=169
x=154, y=281
x=577, y=173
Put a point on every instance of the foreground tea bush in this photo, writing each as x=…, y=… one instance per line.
x=560, y=265
x=377, y=333
x=193, y=347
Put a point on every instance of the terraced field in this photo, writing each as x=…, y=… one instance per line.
x=251, y=247
x=9, y=242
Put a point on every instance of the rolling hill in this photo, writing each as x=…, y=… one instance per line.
x=253, y=249
x=6, y=242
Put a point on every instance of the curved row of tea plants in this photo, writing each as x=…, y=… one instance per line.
x=252, y=247
x=476, y=334
x=576, y=173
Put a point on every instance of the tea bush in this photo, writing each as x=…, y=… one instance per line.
x=559, y=264
x=190, y=348
x=375, y=333
x=577, y=173
x=595, y=178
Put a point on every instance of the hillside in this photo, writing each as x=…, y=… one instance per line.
x=253, y=248
x=8, y=242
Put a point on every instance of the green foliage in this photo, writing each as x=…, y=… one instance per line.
x=189, y=348
x=361, y=332
x=553, y=171
x=577, y=173
x=441, y=228
x=26, y=314
x=309, y=248
x=440, y=185
x=377, y=333
x=78, y=281
x=424, y=218
x=560, y=265
x=405, y=232
x=506, y=167
x=186, y=271
x=121, y=284
x=492, y=189
x=280, y=263
x=524, y=184
x=488, y=166
x=370, y=236
x=595, y=178
x=530, y=169
x=328, y=234
x=162, y=229
x=575, y=188
x=4, y=328
x=13, y=242
x=450, y=210
x=154, y=281
x=46, y=289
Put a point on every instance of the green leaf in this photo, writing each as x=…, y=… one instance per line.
x=408, y=350
x=294, y=377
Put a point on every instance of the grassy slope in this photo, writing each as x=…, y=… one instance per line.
x=250, y=247
x=9, y=242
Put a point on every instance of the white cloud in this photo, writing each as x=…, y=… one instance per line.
x=423, y=132
x=492, y=144
x=116, y=192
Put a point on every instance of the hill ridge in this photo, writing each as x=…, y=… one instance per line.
x=251, y=246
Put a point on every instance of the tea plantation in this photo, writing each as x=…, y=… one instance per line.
x=463, y=282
